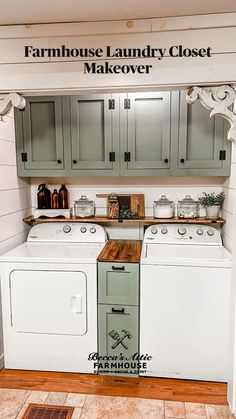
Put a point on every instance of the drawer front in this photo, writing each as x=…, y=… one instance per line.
x=118, y=283
x=118, y=337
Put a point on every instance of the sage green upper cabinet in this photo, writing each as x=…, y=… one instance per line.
x=145, y=133
x=203, y=147
x=128, y=134
x=94, y=124
x=39, y=134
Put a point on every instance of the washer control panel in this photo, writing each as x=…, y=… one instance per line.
x=67, y=232
x=183, y=234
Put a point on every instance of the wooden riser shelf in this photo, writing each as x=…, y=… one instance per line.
x=104, y=220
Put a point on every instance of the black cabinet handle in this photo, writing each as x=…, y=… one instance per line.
x=182, y=160
x=127, y=156
x=118, y=268
x=74, y=161
x=59, y=161
x=166, y=161
x=112, y=156
x=117, y=310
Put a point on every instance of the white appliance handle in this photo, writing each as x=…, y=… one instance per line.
x=76, y=304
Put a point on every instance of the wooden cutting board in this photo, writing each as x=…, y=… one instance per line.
x=137, y=205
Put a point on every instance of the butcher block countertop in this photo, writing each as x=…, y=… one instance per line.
x=124, y=251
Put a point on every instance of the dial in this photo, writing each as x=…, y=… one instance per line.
x=200, y=231
x=210, y=232
x=67, y=228
x=154, y=230
x=164, y=230
x=93, y=230
x=182, y=231
x=83, y=229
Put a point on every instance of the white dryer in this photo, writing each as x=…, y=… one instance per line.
x=185, y=302
x=49, y=298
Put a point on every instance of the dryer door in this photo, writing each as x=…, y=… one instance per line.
x=52, y=302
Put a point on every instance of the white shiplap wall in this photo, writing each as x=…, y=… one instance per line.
x=15, y=197
x=60, y=74
x=229, y=188
x=229, y=237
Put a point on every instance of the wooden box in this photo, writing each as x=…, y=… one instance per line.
x=132, y=203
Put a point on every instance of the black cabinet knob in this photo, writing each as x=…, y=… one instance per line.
x=59, y=161
x=166, y=161
x=74, y=161
x=182, y=160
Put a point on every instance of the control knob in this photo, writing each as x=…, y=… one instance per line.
x=210, y=232
x=154, y=230
x=67, y=228
x=200, y=231
x=93, y=230
x=83, y=229
x=182, y=231
x=164, y=230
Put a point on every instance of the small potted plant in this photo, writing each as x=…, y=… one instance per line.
x=212, y=203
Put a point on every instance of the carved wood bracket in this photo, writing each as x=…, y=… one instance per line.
x=9, y=101
x=218, y=100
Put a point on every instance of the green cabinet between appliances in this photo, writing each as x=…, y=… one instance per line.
x=118, y=315
x=118, y=283
x=134, y=134
x=118, y=330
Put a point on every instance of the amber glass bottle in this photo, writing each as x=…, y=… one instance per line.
x=55, y=199
x=63, y=197
x=44, y=197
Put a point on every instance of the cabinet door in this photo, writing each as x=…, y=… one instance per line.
x=56, y=302
x=118, y=336
x=146, y=132
x=94, y=133
x=43, y=134
x=118, y=283
x=201, y=139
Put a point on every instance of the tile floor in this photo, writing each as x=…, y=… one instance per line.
x=13, y=404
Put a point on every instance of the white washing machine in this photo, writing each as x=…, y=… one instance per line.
x=185, y=302
x=49, y=298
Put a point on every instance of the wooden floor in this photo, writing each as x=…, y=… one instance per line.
x=151, y=388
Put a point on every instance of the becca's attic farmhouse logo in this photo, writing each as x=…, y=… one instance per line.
x=101, y=54
x=120, y=364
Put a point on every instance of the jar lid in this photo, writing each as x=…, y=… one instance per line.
x=112, y=196
x=83, y=200
x=163, y=201
x=188, y=200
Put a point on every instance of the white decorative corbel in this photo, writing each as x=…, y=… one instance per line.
x=9, y=101
x=217, y=100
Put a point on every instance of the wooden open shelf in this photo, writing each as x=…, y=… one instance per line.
x=104, y=219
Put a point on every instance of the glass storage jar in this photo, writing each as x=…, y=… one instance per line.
x=113, y=206
x=163, y=208
x=187, y=208
x=84, y=208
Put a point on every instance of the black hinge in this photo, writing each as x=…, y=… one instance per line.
x=222, y=155
x=127, y=156
x=111, y=103
x=24, y=156
x=126, y=103
x=112, y=156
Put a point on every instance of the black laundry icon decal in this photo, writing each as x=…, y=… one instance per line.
x=120, y=339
